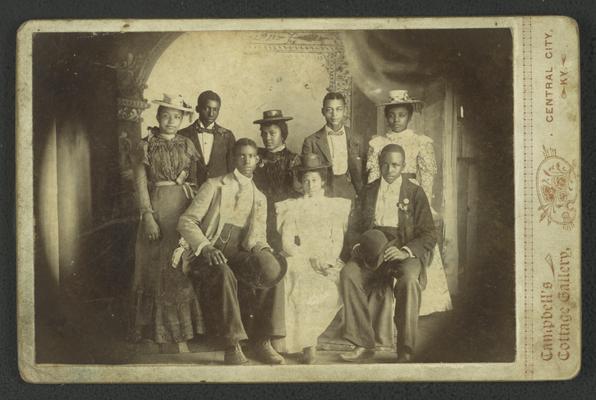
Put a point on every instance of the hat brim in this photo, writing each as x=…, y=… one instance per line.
x=273, y=119
x=250, y=279
x=308, y=169
x=381, y=257
x=175, y=107
x=397, y=103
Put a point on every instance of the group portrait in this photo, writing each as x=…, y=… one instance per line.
x=274, y=197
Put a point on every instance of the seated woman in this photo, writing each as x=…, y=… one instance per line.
x=312, y=231
x=165, y=308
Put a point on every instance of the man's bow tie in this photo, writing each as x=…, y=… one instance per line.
x=200, y=129
x=333, y=133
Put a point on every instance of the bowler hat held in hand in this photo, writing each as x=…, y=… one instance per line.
x=371, y=247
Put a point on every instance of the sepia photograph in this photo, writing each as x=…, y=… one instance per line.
x=279, y=197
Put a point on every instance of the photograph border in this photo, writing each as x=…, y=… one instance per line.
x=524, y=30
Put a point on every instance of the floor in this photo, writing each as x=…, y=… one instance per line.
x=99, y=338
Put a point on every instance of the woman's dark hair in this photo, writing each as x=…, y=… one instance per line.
x=283, y=127
x=407, y=106
x=206, y=96
x=322, y=173
x=244, y=142
x=161, y=108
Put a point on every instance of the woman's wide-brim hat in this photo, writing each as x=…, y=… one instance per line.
x=270, y=116
x=261, y=270
x=311, y=162
x=398, y=96
x=372, y=246
x=174, y=101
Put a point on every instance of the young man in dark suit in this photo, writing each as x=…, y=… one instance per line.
x=396, y=210
x=213, y=142
x=340, y=148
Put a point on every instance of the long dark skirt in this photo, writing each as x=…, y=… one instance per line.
x=164, y=305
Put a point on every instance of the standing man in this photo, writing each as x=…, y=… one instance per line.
x=213, y=142
x=239, y=280
x=397, y=244
x=339, y=147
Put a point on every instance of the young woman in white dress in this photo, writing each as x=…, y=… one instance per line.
x=312, y=229
x=420, y=166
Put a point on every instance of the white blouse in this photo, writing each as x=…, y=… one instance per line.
x=313, y=226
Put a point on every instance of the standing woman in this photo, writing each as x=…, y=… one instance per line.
x=420, y=165
x=165, y=308
x=274, y=175
x=312, y=231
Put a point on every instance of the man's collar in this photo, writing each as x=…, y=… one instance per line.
x=277, y=149
x=200, y=124
x=242, y=180
x=341, y=131
x=386, y=185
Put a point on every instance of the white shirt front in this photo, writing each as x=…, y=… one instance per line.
x=243, y=200
x=386, y=207
x=338, y=147
x=206, y=141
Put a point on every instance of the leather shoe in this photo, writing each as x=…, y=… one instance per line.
x=358, y=354
x=266, y=354
x=308, y=355
x=234, y=355
x=404, y=357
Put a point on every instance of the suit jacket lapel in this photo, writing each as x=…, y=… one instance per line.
x=194, y=136
x=403, y=194
x=251, y=218
x=323, y=144
x=218, y=144
x=371, y=203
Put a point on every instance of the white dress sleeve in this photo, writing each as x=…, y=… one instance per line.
x=372, y=158
x=338, y=223
x=427, y=165
x=286, y=225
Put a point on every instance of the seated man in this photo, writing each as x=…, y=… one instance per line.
x=400, y=235
x=238, y=277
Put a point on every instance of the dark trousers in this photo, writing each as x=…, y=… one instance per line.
x=358, y=284
x=230, y=307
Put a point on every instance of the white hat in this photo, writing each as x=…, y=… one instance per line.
x=402, y=97
x=174, y=101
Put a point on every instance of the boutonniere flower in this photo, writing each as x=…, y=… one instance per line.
x=404, y=205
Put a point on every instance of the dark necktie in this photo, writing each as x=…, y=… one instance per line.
x=200, y=129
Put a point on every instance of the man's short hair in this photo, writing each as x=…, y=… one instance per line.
x=206, y=96
x=391, y=148
x=244, y=142
x=334, y=96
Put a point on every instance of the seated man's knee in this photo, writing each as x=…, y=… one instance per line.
x=408, y=279
x=351, y=272
x=220, y=272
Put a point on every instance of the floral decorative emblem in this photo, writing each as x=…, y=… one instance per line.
x=404, y=205
x=557, y=187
